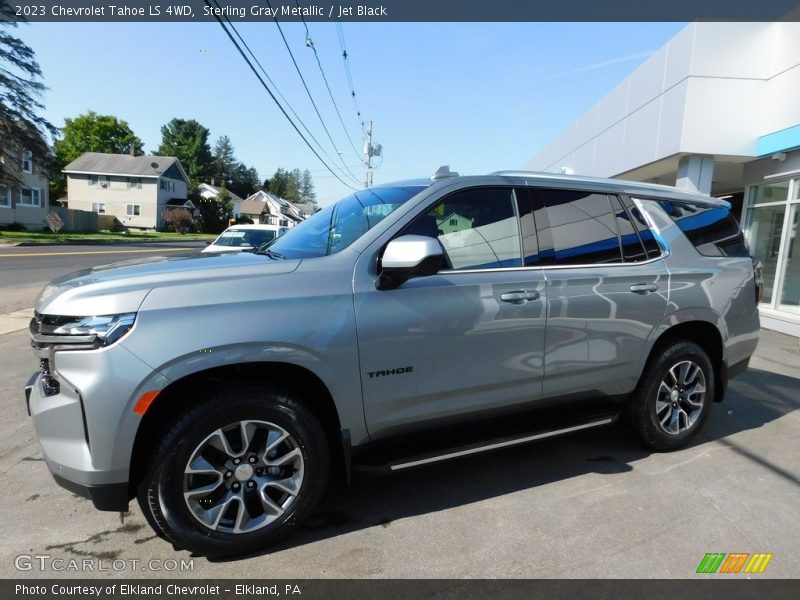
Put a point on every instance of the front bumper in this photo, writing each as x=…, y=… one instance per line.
x=84, y=420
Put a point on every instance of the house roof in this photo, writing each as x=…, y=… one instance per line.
x=216, y=190
x=122, y=164
x=179, y=203
x=252, y=207
x=308, y=209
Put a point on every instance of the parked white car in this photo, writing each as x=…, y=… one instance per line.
x=243, y=237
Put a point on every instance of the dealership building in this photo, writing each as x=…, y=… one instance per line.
x=717, y=110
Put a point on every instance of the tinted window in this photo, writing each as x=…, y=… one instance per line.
x=640, y=224
x=477, y=228
x=631, y=243
x=712, y=229
x=581, y=227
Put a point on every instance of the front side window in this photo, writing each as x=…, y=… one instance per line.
x=632, y=248
x=133, y=210
x=713, y=230
x=29, y=197
x=580, y=228
x=5, y=197
x=335, y=227
x=478, y=228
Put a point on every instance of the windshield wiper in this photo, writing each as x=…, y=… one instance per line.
x=270, y=253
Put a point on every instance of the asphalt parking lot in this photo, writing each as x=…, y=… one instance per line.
x=594, y=504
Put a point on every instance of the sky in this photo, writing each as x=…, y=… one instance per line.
x=478, y=96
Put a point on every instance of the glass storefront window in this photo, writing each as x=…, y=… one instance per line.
x=790, y=291
x=772, y=192
x=765, y=226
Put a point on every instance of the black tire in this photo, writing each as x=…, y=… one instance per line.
x=161, y=492
x=642, y=413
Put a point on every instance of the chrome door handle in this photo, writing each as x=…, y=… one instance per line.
x=520, y=297
x=643, y=288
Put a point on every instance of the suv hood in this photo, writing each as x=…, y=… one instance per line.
x=122, y=287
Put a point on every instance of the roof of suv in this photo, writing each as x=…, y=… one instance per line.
x=632, y=188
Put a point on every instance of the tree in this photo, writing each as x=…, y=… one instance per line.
x=307, y=193
x=21, y=127
x=225, y=162
x=91, y=132
x=179, y=220
x=285, y=184
x=188, y=140
x=215, y=212
x=245, y=181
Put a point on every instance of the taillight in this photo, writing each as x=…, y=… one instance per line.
x=758, y=278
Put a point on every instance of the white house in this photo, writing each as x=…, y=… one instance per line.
x=264, y=207
x=137, y=190
x=212, y=192
x=27, y=203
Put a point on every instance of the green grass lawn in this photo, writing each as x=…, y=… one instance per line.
x=45, y=237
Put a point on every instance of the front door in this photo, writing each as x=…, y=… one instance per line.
x=466, y=340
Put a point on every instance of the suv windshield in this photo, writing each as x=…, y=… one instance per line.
x=336, y=227
x=245, y=238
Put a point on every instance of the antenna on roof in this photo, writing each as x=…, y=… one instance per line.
x=443, y=172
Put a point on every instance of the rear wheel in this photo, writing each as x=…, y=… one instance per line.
x=674, y=396
x=237, y=473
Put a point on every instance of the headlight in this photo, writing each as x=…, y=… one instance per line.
x=76, y=333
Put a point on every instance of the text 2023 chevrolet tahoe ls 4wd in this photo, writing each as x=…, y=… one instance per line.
x=446, y=316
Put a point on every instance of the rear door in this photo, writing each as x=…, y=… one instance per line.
x=606, y=292
x=466, y=340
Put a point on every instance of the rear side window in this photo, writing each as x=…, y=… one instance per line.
x=632, y=248
x=713, y=230
x=580, y=226
x=642, y=228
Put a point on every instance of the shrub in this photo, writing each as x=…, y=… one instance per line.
x=16, y=227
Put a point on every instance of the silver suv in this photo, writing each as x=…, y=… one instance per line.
x=470, y=313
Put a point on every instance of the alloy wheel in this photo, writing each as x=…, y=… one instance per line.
x=243, y=476
x=680, y=397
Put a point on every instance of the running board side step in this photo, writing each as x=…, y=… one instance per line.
x=488, y=446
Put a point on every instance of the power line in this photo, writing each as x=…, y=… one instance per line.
x=348, y=74
x=274, y=99
x=278, y=92
x=310, y=96
x=310, y=44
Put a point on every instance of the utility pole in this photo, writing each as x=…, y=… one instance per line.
x=370, y=151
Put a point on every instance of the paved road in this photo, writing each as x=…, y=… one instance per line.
x=591, y=505
x=24, y=270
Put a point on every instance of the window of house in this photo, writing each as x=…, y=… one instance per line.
x=5, y=197
x=133, y=210
x=99, y=207
x=478, y=228
x=135, y=182
x=101, y=180
x=27, y=161
x=580, y=227
x=29, y=197
x=284, y=223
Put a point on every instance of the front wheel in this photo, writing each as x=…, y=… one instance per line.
x=674, y=396
x=237, y=473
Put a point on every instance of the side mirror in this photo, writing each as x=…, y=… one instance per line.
x=409, y=256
